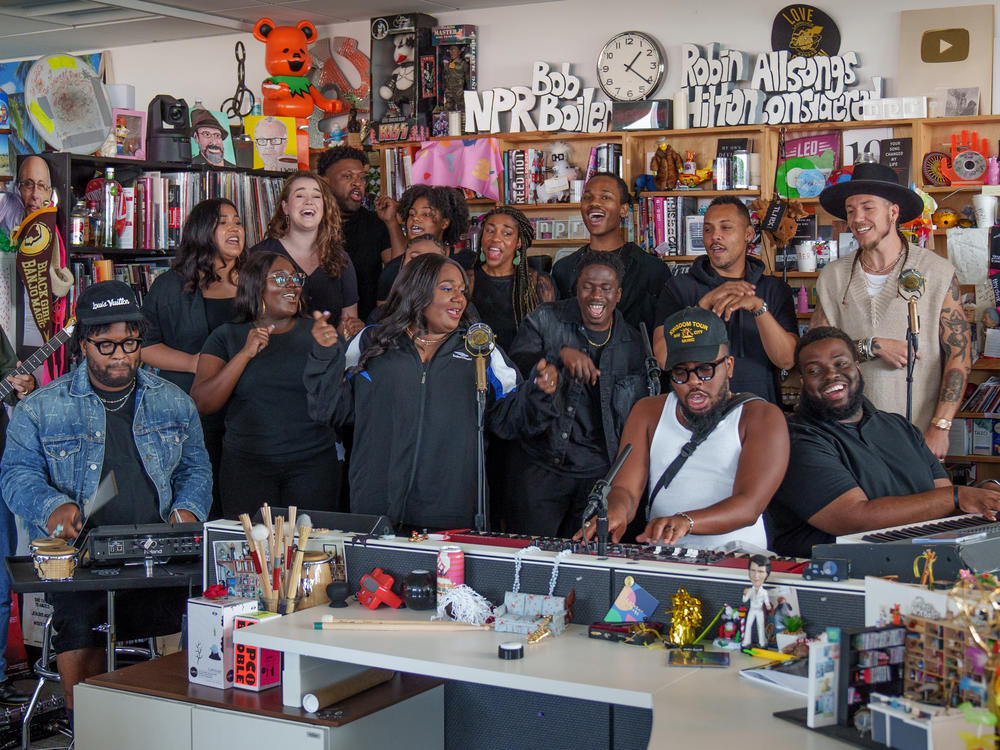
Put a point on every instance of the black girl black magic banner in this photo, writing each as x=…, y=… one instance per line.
x=726, y=87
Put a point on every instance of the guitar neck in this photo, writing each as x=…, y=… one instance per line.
x=39, y=356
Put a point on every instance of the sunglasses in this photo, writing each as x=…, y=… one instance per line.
x=704, y=371
x=284, y=278
x=107, y=348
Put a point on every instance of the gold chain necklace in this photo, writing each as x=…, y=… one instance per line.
x=888, y=268
x=120, y=401
x=425, y=342
x=593, y=343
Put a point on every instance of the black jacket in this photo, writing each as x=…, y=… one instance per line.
x=753, y=371
x=550, y=327
x=414, y=455
x=176, y=318
x=645, y=276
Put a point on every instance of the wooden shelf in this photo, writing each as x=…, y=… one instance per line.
x=951, y=188
x=986, y=363
x=697, y=193
x=976, y=415
x=543, y=206
x=681, y=258
x=568, y=242
x=798, y=274
x=974, y=459
x=805, y=315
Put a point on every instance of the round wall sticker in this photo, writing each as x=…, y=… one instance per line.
x=804, y=31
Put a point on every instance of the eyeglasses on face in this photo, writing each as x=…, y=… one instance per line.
x=108, y=347
x=703, y=371
x=271, y=141
x=31, y=185
x=284, y=278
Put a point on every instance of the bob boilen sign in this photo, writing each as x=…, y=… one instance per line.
x=804, y=79
x=562, y=101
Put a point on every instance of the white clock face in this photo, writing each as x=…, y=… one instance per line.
x=630, y=67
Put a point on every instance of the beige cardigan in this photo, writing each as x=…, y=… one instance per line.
x=885, y=315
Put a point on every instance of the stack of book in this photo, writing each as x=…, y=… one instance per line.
x=662, y=225
x=524, y=171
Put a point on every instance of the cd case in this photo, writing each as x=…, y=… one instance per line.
x=682, y=658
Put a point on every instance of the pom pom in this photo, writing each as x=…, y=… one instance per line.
x=463, y=604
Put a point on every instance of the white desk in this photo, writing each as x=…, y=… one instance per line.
x=714, y=707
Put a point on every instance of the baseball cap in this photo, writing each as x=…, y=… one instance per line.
x=107, y=302
x=693, y=335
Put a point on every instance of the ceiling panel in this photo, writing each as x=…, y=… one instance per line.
x=28, y=28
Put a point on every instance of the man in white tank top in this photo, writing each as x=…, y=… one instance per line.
x=722, y=489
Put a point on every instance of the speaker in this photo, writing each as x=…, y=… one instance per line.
x=167, y=126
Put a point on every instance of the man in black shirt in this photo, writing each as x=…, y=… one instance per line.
x=67, y=439
x=603, y=206
x=757, y=309
x=854, y=468
x=602, y=374
x=371, y=239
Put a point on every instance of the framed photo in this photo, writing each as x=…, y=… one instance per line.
x=428, y=77
x=130, y=134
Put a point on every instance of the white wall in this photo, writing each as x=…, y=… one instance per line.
x=569, y=30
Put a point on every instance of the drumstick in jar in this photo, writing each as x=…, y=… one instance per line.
x=279, y=550
x=251, y=544
x=305, y=528
x=259, y=535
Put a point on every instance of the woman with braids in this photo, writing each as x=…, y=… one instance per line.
x=860, y=294
x=408, y=387
x=306, y=229
x=505, y=290
x=190, y=301
x=425, y=209
x=601, y=365
x=272, y=451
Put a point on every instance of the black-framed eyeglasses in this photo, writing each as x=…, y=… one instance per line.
x=31, y=185
x=703, y=371
x=107, y=347
x=283, y=278
x=271, y=141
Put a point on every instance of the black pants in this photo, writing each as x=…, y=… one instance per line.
x=542, y=502
x=141, y=613
x=248, y=481
x=213, y=430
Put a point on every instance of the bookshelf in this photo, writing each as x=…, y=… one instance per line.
x=871, y=660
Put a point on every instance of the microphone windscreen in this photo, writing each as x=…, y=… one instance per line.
x=479, y=335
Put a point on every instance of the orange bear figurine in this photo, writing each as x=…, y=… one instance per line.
x=288, y=92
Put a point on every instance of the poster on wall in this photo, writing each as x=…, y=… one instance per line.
x=804, y=31
x=210, y=141
x=24, y=139
x=947, y=48
x=272, y=148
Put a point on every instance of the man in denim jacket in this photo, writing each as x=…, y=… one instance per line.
x=106, y=419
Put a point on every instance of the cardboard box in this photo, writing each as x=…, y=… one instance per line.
x=210, y=638
x=255, y=668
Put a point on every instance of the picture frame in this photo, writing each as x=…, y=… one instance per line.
x=130, y=134
x=428, y=76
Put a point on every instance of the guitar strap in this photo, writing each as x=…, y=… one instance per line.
x=697, y=438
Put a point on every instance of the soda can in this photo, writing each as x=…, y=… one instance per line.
x=450, y=568
x=721, y=173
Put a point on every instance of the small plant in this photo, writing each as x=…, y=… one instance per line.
x=793, y=623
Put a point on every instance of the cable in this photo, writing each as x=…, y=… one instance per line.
x=233, y=106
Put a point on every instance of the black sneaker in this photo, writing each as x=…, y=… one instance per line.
x=11, y=695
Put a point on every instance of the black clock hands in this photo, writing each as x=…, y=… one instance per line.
x=629, y=67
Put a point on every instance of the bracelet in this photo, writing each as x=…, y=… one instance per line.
x=865, y=349
x=689, y=520
x=955, y=488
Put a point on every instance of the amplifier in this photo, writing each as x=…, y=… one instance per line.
x=108, y=545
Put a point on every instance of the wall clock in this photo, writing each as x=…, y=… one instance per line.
x=630, y=66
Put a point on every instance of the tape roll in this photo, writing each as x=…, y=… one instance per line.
x=510, y=650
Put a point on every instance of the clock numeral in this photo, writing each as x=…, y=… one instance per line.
x=604, y=69
x=611, y=55
x=618, y=45
x=609, y=81
x=652, y=65
x=649, y=51
x=629, y=93
x=629, y=40
x=618, y=89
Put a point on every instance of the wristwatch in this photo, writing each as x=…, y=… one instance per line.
x=761, y=311
x=942, y=424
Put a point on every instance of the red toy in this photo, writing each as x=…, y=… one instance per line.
x=376, y=589
x=288, y=92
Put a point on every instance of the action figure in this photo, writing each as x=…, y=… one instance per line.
x=666, y=165
x=454, y=79
x=755, y=595
x=398, y=87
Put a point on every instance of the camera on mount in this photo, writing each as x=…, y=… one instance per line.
x=167, y=134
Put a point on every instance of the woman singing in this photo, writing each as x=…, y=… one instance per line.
x=306, y=229
x=409, y=388
x=190, y=301
x=272, y=451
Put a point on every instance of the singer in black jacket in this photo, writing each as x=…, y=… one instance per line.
x=601, y=362
x=408, y=387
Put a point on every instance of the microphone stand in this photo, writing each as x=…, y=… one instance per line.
x=912, y=331
x=598, y=501
x=480, y=461
x=652, y=366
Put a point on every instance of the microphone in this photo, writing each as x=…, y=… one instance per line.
x=911, y=288
x=479, y=342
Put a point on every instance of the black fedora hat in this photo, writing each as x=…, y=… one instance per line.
x=869, y=178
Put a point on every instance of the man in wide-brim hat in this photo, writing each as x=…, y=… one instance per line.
x=208, y=135
x=860, y=294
